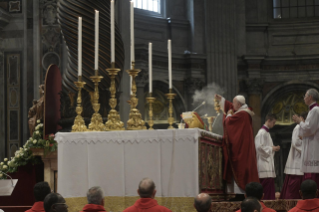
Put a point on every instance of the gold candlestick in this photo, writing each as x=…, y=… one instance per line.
x=135, y=121
x=170, y=96
x=114, y=121
x=79, y=124
x=150, y=100
x=96, y=120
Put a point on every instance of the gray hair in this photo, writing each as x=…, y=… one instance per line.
x=95, y=195
x=314, y=94
x=146, y=188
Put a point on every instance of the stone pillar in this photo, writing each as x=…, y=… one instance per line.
x=123, y=20
x=221, y=44
x=255, y=97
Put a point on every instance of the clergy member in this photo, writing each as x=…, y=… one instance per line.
x=146, y=190
x=309, y=131
x=265, y=150
x=308, y=193
x=40, y=191
x=203, y=202
x=240, y=164
x=294, y=176
x=95, y=199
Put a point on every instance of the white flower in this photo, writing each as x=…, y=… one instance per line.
x=6, y=159
x=1, y=175
x=1, y=163
x=41, y=125
x=25, y=149
x=12, y=160
x=17, y=156
x=21, y=149
x=37, y=127
x=21, y=154
x=38, y=121
x=35, y=141
x=9, y=163
x=5, y=167
x=37, y=132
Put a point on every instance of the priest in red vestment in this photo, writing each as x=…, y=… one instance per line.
x=40, y=190
x=240, y=163
x=308, y=193
x=147, y=203
x=95, y=199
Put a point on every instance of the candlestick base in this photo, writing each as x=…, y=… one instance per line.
x=150, y=100
x=114, y=122
x=96, y=120
x=79, y=124
x=170, y=96
x=135, y=121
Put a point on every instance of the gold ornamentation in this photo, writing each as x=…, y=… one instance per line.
x=150, y=100
x=170, y=96
x=79, y=124
x=135, y=121
x=114, y=121
x=96, y=120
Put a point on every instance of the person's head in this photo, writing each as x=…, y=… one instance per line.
x=203, y=202
x=308, y=189
x=95, y=196
x=238, y=101
x=54, y=202
x=311, y=96
x=271, y=120
x=255, y=190
x=250, y=204
x=40, y=190
x=303, y=116
x=146, y=188
x=277, y=195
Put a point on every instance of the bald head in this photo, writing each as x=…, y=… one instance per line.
x=146, y=188
x=202, y=202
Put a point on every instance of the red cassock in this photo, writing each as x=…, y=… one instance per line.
x=307, y=206
x=93, y=208
x=146, y=205
x=37, y=207
x=240, y=160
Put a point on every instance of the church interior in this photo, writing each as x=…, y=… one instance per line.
x=265, y=50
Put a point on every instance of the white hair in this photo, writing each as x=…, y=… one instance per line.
x=95, y=195
x=314, y=94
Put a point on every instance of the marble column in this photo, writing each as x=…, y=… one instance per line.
x=255, y=97
x=36, y=50
x=221, y=44
x=123, y=20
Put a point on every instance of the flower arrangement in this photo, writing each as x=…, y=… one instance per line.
x=24, y=155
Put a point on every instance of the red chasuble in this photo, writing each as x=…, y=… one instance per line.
x=239, y=148
x=306, y=206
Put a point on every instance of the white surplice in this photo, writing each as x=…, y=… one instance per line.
x=309, y=131
x=265, y=154
x=293, y=164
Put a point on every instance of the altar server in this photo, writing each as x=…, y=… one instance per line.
x=265, y=150
x=40, y=190
x=147, y=203
x=309, y=131
x=240, y=164
x=308, y=193
x=294, y=176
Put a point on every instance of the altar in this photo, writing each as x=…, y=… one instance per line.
x=182, y=164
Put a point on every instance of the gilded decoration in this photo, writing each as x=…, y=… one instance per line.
x=291, y=104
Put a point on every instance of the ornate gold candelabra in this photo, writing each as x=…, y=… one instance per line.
x=79, y=124
x=150, y=100
x=216, y=106
x=96, y=120
x=114, y=121
x=135, y=121
x=170, y=96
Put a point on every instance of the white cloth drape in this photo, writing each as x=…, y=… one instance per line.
x=309, y=131
x=265, y=155
x=117, y=161
x=293, y=164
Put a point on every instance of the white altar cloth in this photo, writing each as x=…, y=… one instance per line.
x=118, y=160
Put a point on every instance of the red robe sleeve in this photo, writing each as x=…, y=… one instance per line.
x=239, y=150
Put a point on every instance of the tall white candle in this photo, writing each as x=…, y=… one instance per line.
x=112, y=32
x=132, y=33
x=96, y=52
x=131, y=80
x=80, y=47
x=170, y=64
x=150, y=66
